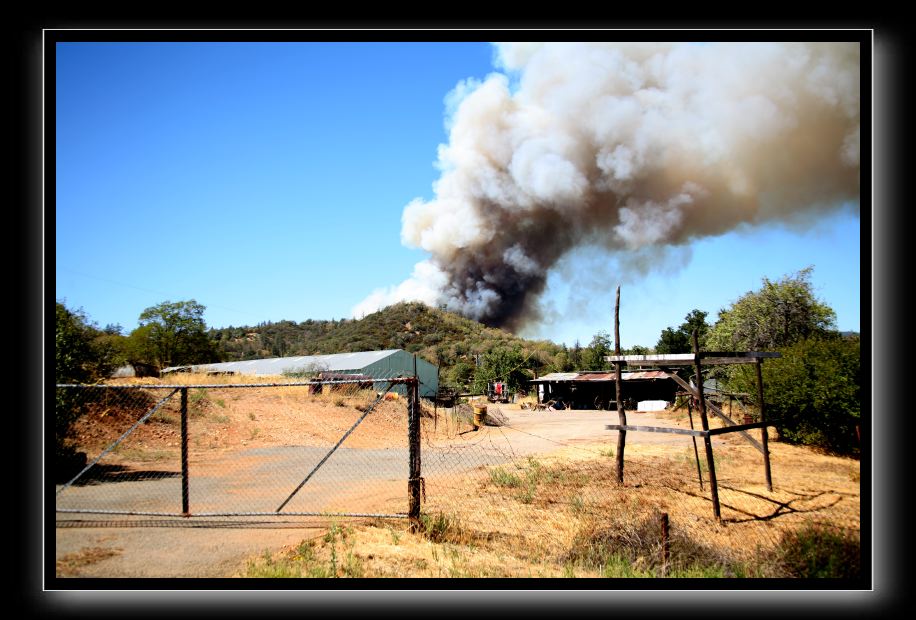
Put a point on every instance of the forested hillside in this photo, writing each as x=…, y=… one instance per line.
x=453, y=343
x=813, y=389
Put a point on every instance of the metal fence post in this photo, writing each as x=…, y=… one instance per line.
x=185, y=504
x=413, y=437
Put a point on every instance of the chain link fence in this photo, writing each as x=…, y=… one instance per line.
x=309, y=448
x=551, y=498
x=218, y=448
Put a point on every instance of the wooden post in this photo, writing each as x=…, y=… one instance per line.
x=666, y=544
x=696, y=454
x=701, y=401
x=185, y=501
x=413, y=439
x=763, y=430
x=621, y=413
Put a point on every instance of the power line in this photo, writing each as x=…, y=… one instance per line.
x=147, y=290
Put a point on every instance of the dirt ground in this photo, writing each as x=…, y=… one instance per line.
x=226, y=421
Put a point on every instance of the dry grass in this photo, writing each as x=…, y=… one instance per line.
x=565, y=516
x=69, y=565
x=561, y=514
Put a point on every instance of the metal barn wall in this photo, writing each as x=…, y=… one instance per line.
x=400, y=363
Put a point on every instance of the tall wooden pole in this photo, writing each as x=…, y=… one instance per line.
x=763, y=430
x=621, y=413
x=701, y=402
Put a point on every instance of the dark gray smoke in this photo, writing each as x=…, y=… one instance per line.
x=625, y=146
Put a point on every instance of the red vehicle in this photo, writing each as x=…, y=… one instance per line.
x=498, y=392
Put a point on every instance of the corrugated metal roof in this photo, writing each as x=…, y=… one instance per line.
x=624, y=376
x=644, y=374
x=597, y=376
x=601, y=376
x=279, y=365
x=558, y=376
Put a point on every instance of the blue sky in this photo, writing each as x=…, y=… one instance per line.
x=267, y=181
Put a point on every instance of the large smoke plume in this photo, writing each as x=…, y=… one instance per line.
x=624, y=146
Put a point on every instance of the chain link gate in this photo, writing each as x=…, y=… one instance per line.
x=194, y=451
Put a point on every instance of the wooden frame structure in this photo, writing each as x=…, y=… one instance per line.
x=667, y=363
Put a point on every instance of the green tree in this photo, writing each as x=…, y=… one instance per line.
x=673, y=341
x=174, y=333
x=77, y=360
x=575, y=356
x=72, y=346
x=138, y=345
x=599, y=348
x=812, y=392
x=81, y=352
x=508, y=365
x=561, y=361
x=778, y=315
x=680, y=340
x=459, y=375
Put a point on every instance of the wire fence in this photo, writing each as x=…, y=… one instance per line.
x=218, y=448
x=561, y=499
x=307, y=448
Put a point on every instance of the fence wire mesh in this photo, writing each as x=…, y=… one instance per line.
x=322, y=447
x=542, y=484
x=552, y=498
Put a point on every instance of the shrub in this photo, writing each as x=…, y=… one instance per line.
x=819, y=552
x=632, y=548
x=502, y=478
x=441, y=528
x=812, y=392
x=77, y=360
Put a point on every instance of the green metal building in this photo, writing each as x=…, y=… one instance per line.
x=376, y=364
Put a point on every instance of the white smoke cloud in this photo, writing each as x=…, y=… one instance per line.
x=425, y=284
x=626, y=146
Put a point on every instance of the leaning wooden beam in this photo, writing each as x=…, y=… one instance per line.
x=738, y=428
x=716, y=411
x=656, y=429
x=684, y=431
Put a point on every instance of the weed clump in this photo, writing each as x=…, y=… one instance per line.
x=442, y=528
x=816, y=551
x=634, y=549
x=334, y=557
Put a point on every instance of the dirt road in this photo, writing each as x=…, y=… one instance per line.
x=201, y=547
